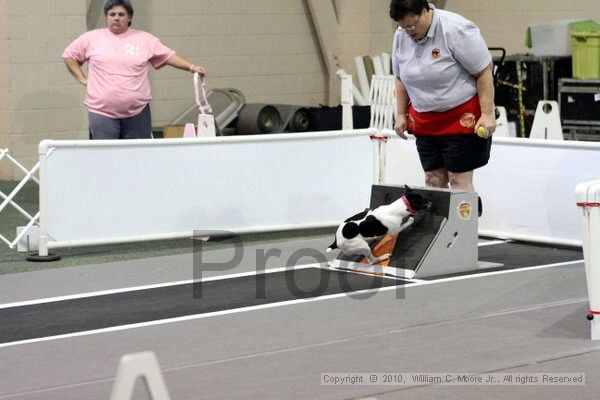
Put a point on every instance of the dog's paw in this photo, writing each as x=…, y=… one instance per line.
x=380, y=258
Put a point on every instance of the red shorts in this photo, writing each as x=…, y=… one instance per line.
x=458, y=120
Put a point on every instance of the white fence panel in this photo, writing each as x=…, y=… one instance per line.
x=527, y=187
x=95, y=192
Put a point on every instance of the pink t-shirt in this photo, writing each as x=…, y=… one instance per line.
x=118, y=85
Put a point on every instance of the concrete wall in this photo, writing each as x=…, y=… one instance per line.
x=503, y=22
x=365, y=28
x=266, y=48
x=42, y=102
x=5, y=120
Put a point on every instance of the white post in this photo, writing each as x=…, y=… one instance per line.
x=376, y=162
x=385, y=60
x=588, y=201
x=358, y=97
x=381, y=177
x=390, y=113
x=377, y=65
x=361, y=73
x=360, y=100
x=347, y=102
x=43, y=239
x=139, y=365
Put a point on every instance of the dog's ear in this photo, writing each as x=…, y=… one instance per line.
x=408, y=189
x=350, y=230
x=372, y=227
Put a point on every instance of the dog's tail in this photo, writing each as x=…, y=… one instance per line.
x=332, y=246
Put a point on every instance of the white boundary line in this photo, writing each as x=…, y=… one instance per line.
x=494, y=242
x=501, y=272
x=146, y=287
x=280, y=304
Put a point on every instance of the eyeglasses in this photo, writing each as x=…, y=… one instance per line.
x=411, y=28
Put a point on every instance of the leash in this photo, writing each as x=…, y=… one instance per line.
x=202, y=103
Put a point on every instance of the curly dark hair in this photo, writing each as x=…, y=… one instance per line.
x=401, y=8
x=109, y=4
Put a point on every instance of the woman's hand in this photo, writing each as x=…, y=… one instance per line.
x=199, y=69
x=75, y=70
x=400, y=126
x=183, y=64
x=488, y=123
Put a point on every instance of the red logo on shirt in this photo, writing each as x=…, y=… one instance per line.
x=467, y=120
x=435, y=53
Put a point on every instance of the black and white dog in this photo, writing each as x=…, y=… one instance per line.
x=355, y=234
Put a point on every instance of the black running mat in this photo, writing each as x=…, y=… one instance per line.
x=77, y=315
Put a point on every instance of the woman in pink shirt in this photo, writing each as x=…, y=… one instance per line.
x=118, y=89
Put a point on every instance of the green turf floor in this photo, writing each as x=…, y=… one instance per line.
x=13, y=262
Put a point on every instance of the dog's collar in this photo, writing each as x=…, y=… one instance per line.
x=408, y=207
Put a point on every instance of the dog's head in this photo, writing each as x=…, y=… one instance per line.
x=417, y=202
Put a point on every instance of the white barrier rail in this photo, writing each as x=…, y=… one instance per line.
x=103, y=192
x=527, y=187
x=114, y=191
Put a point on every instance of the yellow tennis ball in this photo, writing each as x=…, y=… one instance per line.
x=481, y=132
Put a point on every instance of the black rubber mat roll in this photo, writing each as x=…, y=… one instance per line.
x=258, y=119
x=293, y=118
x=300, y=121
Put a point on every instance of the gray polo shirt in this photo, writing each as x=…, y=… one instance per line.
x=438, y=70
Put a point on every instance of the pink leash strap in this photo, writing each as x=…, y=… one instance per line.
x=202, y=103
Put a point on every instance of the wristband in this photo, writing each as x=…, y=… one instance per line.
x=191, y=68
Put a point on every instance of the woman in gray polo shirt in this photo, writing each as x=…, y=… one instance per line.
x=444, y=91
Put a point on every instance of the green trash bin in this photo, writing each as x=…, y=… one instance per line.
x=585, y=43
